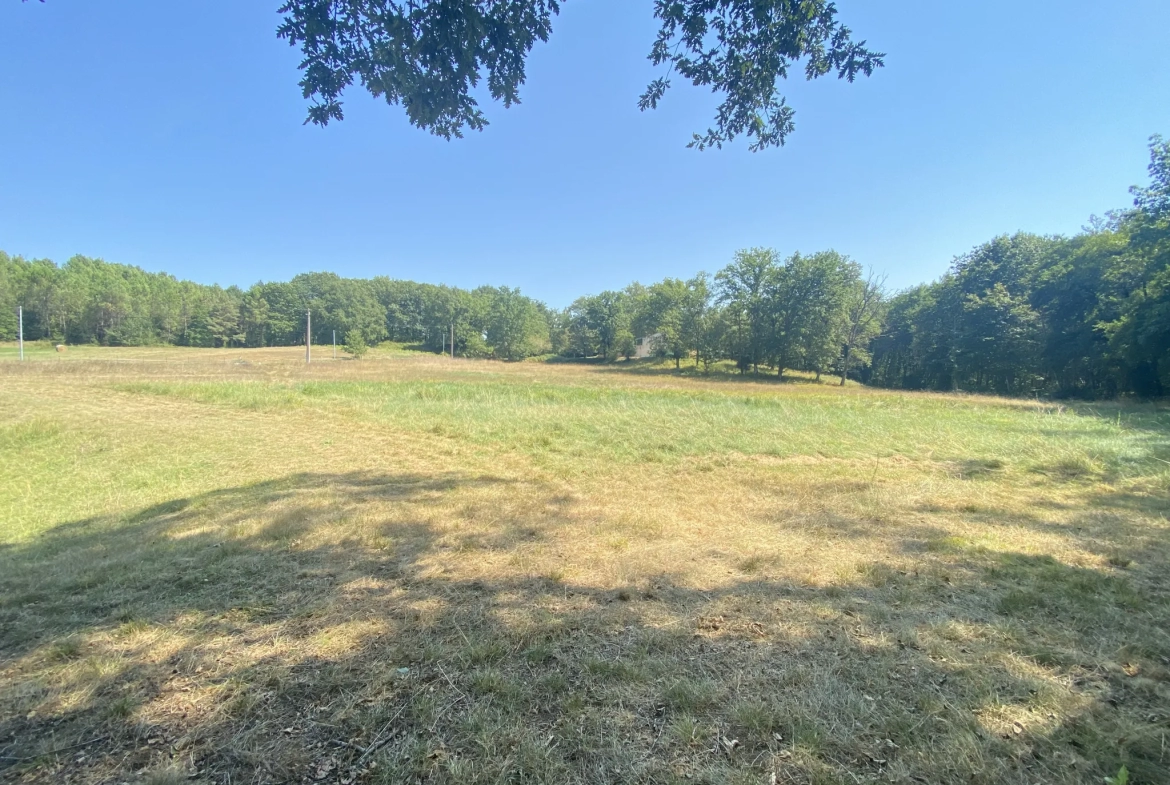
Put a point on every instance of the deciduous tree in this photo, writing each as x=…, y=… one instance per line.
x=430, y=56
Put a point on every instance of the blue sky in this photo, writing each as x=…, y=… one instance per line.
x=169, y=135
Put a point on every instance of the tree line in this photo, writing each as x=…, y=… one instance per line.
x=760, y=310
x=92, y=301
x=814, y=313
x=1083, y=316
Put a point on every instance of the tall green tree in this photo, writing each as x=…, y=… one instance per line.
x=221, y=320
x=516, y=325
x=811, y=305
x=997, y=349
x=865, y=303
x=659, y=316
x=699, y=317
x=747, y=290
x=1140, y=336
x=9, y=296
x=254, y=313
x=600, y=325
x=1076, y=292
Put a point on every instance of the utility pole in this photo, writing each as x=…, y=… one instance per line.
x=308, y=335
x=452, y=340
x=20, y=329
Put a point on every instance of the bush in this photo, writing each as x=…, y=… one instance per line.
x=355, y=344
x=475, y=346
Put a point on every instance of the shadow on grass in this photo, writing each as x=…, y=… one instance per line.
x=326, y=628
x=654, y=367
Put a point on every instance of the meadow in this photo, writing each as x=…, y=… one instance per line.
x=224, y=566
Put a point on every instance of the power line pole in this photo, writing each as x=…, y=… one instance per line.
x=20, y=329
x=308, y=335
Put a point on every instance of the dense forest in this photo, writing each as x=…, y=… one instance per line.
x=1084, y=316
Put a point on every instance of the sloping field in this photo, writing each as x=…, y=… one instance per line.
x=223, y=566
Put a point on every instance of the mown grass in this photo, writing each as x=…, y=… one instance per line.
x=222, y=564
x=587, y=423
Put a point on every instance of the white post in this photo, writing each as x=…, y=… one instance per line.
x=308, y=335
x=20, y=329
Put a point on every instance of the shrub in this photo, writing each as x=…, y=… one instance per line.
x=355, y=344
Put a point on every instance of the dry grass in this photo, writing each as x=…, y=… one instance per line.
x=222, y=566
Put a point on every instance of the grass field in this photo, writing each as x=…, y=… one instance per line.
x=224, y=566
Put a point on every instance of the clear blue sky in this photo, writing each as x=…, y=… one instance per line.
x=169, y=135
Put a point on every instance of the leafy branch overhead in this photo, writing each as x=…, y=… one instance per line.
x=429, y=55
x=741, y=49
x=426, y=55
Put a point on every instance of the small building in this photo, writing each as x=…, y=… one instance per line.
x=646, y=346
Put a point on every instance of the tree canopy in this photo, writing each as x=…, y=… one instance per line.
x=1084, y=316
x=428, y=56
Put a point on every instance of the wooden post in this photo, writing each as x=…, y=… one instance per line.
x=20, y=329
x=308, y=335
x=335, y=344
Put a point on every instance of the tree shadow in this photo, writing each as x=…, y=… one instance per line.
x=368, y=627
x=655, y=368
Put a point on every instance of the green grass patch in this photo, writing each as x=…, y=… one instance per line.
x=544, y=573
